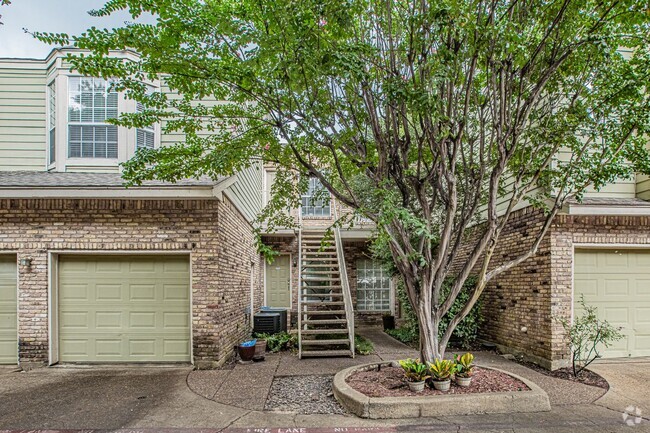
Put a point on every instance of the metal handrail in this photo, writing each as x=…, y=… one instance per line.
x=345, y=284
x=300, y=288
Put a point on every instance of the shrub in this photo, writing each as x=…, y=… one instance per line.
x=442, y=369
x=464, y=365
x=363, y=346
x=466, y=331
x=585, y=334
x=280, y=341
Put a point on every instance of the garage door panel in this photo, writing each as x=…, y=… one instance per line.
x=622, y=297
x=615, y=287
x=142, y=292
x=152, y=308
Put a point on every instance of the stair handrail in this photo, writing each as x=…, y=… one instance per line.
x=345, y=284
x=300, y=288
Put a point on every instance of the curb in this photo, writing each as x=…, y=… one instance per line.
x=535, y=400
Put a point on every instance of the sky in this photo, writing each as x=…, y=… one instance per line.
x=67, y=16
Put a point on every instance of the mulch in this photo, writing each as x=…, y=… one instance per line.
x=586, y=377
x=390, y=382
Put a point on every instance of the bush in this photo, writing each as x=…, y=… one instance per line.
x=466, y=331
x=280, y=341
x=363, y=346
x=585, y=334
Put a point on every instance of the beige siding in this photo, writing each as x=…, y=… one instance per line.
x=643, y=186
x=22, y=119
x=246, y=192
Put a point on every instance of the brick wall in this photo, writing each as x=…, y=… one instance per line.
x=219, y=238
x=522, y=305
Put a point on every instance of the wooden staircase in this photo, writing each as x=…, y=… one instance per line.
x=326, y=318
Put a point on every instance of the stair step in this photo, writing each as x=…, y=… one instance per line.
x=319, y=265
x=309, y=272
x=306, y=303
x=318, y=253
x=324, y=313
x=335, y=341
x=324, y=322
x=322, y=295
x=323, y=331
x=316, y=353
x=320, y=278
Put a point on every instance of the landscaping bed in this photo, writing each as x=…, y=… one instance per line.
x=389, y=382
x=586, y=377
x=484, y=398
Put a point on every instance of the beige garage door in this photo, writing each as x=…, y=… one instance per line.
x=8, y=305
x=617, y=282
x=124, y=308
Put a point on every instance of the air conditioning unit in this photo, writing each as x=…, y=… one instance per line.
x=267, y=323
x=283, y=315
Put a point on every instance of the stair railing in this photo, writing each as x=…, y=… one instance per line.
x=345, y=284
x=300, y=287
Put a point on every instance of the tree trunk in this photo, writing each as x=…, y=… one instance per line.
x=428, y=334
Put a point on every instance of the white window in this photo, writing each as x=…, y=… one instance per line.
x=145, y=137
x=373, y=286
x=51, y=122
x=91, y=101
x=316, y=201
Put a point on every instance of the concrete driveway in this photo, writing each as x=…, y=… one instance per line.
x=106, y=398
x=159, y=397
x=629, y=383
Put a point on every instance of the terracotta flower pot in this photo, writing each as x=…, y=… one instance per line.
x=442, y=385
x=246, y=353
x=416, y=386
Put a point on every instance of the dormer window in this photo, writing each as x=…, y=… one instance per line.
x=91, y=101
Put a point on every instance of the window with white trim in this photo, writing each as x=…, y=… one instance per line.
x=91, y=101
x=373, y=286
x=145, y=137
x=51, y=122
x=316, y=201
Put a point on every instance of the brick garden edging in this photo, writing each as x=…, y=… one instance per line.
x=535, y=400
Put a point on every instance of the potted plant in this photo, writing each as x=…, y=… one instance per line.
x=388, y=321
x=246, y=350
x=464, y=369
x=416, y=373
x=441, y=372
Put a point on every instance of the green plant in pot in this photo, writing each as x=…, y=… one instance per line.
x=464, y=369
x=416, y=373
x=441, y=372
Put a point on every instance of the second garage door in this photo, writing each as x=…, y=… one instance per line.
x=124, y=308
x=617, y=283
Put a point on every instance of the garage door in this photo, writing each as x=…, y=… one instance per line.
x=617, y=282
x=8, y=308
x=124, y=308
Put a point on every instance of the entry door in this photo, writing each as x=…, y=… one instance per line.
x=278, y=277
x=8, y=315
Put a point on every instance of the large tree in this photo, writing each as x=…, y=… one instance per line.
x=431, y=118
